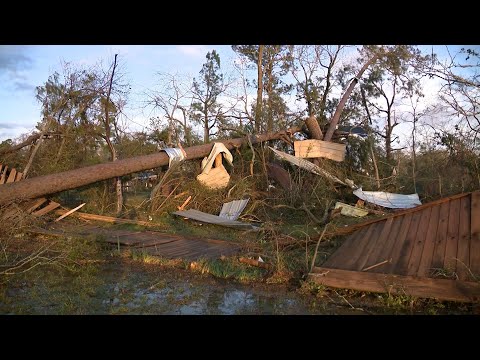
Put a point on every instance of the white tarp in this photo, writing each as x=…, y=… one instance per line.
x=217, y=148
x=388, y=200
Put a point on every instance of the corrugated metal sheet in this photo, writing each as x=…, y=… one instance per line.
x=174, y=154
x=388, y=200
x=214, y=219
x=307, y=165
x=233, y=209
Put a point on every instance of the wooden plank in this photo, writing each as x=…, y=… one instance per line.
x=450, y=262
x=53, y=205
x=419, y=243
x=444, y=289
x=440, y=243
x=475, y=234
x=108, y=219
x=400, y=266
x=398, y=245
x=35, y=204
x=463, y=251
x=429, y=246
x=318, y=148
x=4, y=175
x=375, y=245
x=19, y=176
x=361, y=249
x=336, y=259
x=12, y=175
x=69, y=212
x=389, y=244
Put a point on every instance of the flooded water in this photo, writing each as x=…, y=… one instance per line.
x=126, y=290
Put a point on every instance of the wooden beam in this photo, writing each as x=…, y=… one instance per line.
x=35, y=204
x=69, y=212
x=108, y=219
x=12, y=175
x=319, y=148
x=53, y=205
x=444, y=289
x=4, y=175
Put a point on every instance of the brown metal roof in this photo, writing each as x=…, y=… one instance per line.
x=438, y=240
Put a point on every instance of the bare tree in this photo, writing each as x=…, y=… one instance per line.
x=172, y=99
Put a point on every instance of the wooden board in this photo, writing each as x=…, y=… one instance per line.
x=53, y=205
x=387, y=248
x=440, y=243
x=401, y=263
x=463, y=251
x=444, y=289
x=3, y=177
x=450, y=259
x=419, y=243
x=475, y=234
x=429, y=246
x=35, y=204
x=376, y=248
x=318, y=148
x=11, y=176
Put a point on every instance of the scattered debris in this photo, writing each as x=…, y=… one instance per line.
x=349, y=210
x=233, y=209
x=280, y=175
x=318, y=148
x=307, y=165
x=388, y=200
x=217, y=177
x=180, y=208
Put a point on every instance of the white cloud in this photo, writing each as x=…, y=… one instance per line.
x=193, y=50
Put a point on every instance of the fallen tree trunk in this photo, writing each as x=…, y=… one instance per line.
x=54, y=183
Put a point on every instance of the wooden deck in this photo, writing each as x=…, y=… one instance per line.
x=432, y=250
x=157, y=243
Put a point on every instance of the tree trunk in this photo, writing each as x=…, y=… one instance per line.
x=314, y=128
x=54, y=183
x=32, y=155
x=343, y=101
x=206, y=130
x=258, y=112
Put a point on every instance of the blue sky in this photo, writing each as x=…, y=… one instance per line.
x=22, y=68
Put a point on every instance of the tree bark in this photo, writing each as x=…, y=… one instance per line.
x=258, y=112
x=343, y=101
x=54, y=183
x=314, y=128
